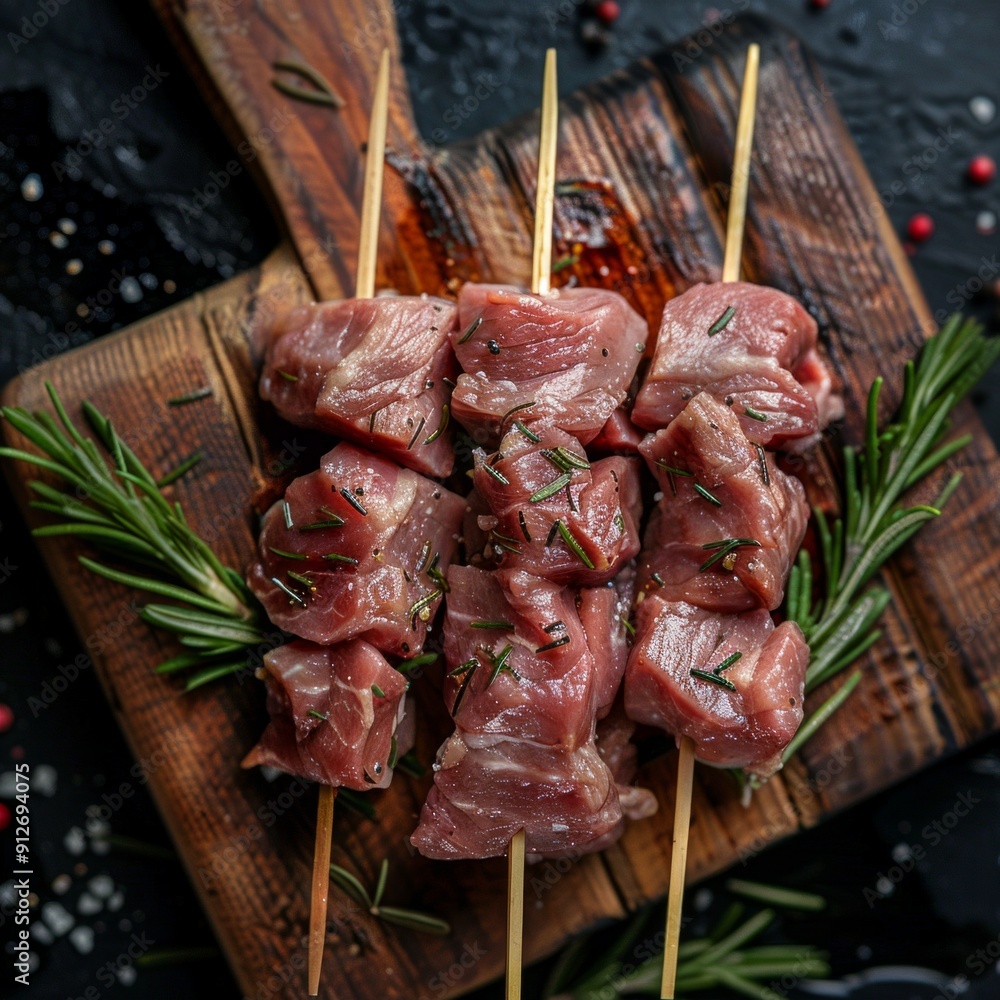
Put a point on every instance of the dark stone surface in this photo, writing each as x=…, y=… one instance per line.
x=903, y=72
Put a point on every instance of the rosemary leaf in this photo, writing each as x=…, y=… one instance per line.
x=350, y=884
x=838, y=623
x=114, y=503
x=414, y=921
x=383, y=875
x=776, y=895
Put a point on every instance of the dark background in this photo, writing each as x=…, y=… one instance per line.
x=74, y=217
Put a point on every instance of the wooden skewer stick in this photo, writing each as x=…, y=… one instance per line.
x=736, y=218
x=371, y=202
x=320, y=885
x=685, y=760
x=545, y=189
x=364, y=288
x=541, y=270
x=515, y=914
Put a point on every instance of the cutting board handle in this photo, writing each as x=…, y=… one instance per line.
x=309, y=156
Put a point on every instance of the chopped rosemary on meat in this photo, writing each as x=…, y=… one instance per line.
x=722, y=322
x=493, y=347
x=704, y=675
x=728, y=662
x=349, y=496
x=294, y=596
x=702, y=492
x=619, y=521
x=287, y=513
x=379, y=693
x=332, y=521
x=513, y=410
x=524, y=525
x=318, y=715
x=551, y=488
x=494, y=624
x=463, y=668
x=495, y=473
x=337, y=557
x=563, y=459
x=306, y=581
x=285, y=554
x=500, y=664
x=754, y=414
x=555, y=644
x=528, y=434
x=287, y=376
x=573, y=544
x=762, y=458
x=468, y=669
x=627, y=625
x=442, y=425
x=422, y=608
x=476, y=323
x=412, y=919
x=554, y=626
x=423, y=560
x=723, y=548
x=416, y=434
x=671, y=471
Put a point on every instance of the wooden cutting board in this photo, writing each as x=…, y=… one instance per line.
x=643, y=162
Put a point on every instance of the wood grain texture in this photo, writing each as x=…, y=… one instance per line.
x=642, y=168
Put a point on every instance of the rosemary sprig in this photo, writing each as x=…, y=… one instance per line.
x=116, y=504
x=875, y=522
x=372, y=902
x=725, y=959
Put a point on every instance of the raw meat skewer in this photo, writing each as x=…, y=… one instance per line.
x=541, y=269
x=685, y=762
x=364, y=288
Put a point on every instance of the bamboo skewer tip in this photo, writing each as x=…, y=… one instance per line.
x=515, y=915
x=541, y=255
x=320, y=885
x=371, y=199
x=735, y=225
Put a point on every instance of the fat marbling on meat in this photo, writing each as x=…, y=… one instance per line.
x=718, y=486
x=571, y=355
x=565, y=800
x=357, y=548
x=747, y=344
x=372, y=371
x=544, y=690
x=532, y=665
x=747, y=717
x=334, y=713
x=556, y=514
